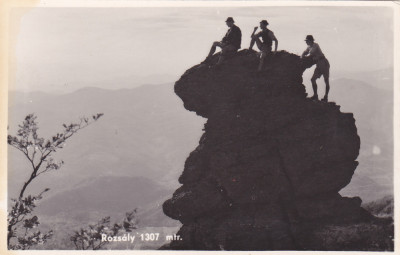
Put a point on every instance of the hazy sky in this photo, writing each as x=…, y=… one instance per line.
x=64, y=49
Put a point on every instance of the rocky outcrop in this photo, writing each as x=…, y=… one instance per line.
x=270, y=164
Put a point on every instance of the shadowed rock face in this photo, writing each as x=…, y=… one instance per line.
x=268, y=168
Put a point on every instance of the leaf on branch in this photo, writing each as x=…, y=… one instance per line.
x=9, y=139
x=105, y=220
x=97, y=116
x=31, y=223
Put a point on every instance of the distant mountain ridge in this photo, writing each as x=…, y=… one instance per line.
x=382, y=78
x=372, y=107
x=383, y=207
x=150, y=120
x=143, y=133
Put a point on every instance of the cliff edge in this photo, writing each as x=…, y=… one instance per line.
x=270, y=164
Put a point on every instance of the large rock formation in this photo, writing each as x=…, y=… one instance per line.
x=268, y=169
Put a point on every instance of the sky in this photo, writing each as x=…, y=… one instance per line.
x=64, y=49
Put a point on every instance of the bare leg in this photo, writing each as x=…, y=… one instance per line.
x=326, y=79
x=259, y=44
x=252, y=42
x=314, y=86
x=260, y=65
x=263, y=55
x=214, y=48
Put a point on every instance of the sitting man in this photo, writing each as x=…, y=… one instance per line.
x=229, y=44
x=313, y=50
x=264, y=46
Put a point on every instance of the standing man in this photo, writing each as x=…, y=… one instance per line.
x=230, y=43
x=265, y=46
x=313, y=50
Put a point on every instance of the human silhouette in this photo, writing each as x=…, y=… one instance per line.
x=313, y=50
x=230, y=42
x=265, y=46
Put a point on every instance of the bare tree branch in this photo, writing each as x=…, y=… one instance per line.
x=38, y=152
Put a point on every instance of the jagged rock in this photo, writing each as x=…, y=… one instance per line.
x=271, y=162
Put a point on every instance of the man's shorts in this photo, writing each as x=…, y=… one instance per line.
x=263, y=47
x=322, y=69
x=227, y=48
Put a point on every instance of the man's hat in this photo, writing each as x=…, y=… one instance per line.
x=264, y=22
x=230, y=19
x=309, y=38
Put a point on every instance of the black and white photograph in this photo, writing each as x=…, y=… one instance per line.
x=200, y=126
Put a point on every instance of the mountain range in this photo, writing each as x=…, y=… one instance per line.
x=133, y=156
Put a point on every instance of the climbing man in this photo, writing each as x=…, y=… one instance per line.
x=229, y=44
x=265, y=46
x=313, y=50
